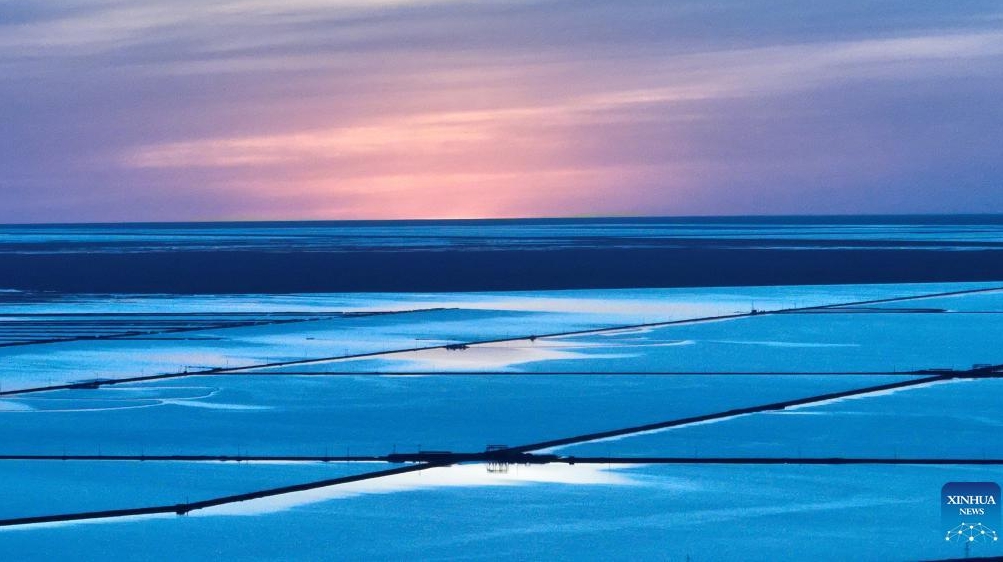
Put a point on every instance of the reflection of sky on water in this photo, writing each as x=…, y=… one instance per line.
x=468, y=316
x=457, y=476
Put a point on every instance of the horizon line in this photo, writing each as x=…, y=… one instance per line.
x=724, y=217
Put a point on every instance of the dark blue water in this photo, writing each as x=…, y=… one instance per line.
x=897, y=231
x=273, y=257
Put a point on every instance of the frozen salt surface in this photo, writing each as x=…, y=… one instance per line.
x=458, y=476
x=951, y=419
x=706, y=512
x=115, y=398
x=821, y=342
x=470, y=317
x=373, y=415
x=560, y=512
x=613, y=302
x=979, y=302
x=50, y=487
x=804, y=343
x=499, y=356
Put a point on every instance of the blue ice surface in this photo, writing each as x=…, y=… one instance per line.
x=471, y=317
x=952, y=419
x=373, y=415
x=710, y=298
x=669, y=512
x=46, y=487
x=709, y=513
x=990, y=301
x=805, y=343
x=820, y=342
x=56, y=363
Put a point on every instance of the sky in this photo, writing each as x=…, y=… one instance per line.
x=164, y=110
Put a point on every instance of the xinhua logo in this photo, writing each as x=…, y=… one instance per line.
x=970, y=513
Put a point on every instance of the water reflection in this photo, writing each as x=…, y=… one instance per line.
x=456, y=476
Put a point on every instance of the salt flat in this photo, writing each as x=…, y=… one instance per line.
x=709, y=513
x=287, y=389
